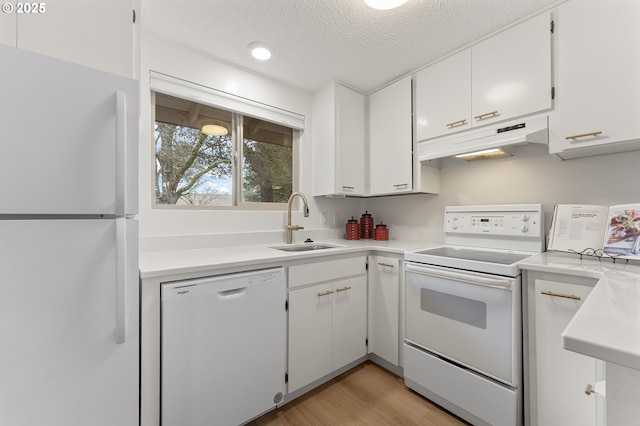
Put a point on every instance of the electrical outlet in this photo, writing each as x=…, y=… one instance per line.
x=336, y=218
x=323, y=218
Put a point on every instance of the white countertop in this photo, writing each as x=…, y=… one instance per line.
x=167, y=263
x=607, y=325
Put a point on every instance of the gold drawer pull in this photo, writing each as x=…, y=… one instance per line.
x=584, y=135
x=457, y=123
x=388, y=265
x=348, y=188
x=486, y=114
x=326, y=293
x=566, y=296
x=400, y=185
x=343, y=289
x=589, y=390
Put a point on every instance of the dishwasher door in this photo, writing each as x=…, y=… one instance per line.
x=223, y=348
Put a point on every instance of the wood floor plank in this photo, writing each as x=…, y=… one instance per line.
x=365, y=395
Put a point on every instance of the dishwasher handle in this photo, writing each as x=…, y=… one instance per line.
x=232, y=294
x=495, y=282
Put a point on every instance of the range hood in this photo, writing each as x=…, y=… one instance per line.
x=535, y=130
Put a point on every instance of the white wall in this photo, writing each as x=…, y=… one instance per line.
x=533, y=176
x=161, y=55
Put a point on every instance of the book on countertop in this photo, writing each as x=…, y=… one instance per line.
x=613, y=230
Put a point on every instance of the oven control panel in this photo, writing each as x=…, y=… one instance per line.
x=514, y=223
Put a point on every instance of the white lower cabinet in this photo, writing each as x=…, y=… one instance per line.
x=327, y=318
x=384, y=308
x=557, y=377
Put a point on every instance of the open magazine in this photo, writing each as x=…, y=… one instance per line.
x=614, y=230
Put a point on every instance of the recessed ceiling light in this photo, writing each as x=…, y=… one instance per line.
x=385, y=4
x=259, y=51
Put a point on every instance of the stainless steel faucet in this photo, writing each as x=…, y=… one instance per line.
x=290, y=228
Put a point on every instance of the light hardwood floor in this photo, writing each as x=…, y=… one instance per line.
x=365, y=395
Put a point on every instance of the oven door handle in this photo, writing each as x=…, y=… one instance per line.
x=496, y=282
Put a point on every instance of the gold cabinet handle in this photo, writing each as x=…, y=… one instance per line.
x=388, y=265
x=348, y=188
x=486, y=114
x=326, y=293
x=457, y=123
x=566, y=296
x=400, y=185
x=584, y=135
x=338, y=290
x=589, y=390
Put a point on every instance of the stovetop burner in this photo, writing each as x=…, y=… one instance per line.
x=502, y=258
x=490, y=239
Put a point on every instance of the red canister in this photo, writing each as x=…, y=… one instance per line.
x=352, y=231
x=381, y=232
x=366, y=226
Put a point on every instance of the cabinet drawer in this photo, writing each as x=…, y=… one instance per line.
x=316, y=272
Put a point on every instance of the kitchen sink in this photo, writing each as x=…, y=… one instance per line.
x=307, y=247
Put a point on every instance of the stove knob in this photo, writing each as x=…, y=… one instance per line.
x=524, y=217
x=455, y=226
x=524, y=228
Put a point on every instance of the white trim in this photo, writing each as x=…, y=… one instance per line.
x=187, y=90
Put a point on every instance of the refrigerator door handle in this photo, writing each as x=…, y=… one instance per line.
x=121, y=153
x=121, y=281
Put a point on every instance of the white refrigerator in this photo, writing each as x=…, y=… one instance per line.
x=69, y=280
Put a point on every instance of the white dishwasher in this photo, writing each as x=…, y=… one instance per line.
x=223, y=348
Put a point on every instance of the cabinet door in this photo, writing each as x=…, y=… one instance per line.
x=511, y=72
x=598, y=86
x=443, y=97
x=390, y=141
x=95, y=33
x=384, y=316
x=350, y=122
x=349, y=320
x=310, y=334
x=8, y=27
x=562, y=375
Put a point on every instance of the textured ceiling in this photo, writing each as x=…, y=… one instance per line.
x=316, y=41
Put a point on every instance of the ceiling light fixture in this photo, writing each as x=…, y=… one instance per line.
x=385, y=4
x=214, y=129
x=259, y=51
x=484, y=154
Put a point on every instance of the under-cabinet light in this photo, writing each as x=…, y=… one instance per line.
x=484, y=154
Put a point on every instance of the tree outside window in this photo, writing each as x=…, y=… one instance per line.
x=194, y=168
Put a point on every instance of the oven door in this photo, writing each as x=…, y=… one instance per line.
x=469, y=318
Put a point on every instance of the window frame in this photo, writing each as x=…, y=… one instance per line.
x=238, y=202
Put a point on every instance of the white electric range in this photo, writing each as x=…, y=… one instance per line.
x=463, y=331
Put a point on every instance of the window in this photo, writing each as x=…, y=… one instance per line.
x=211, y=157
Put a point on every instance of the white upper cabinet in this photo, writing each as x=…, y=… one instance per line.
x=598, y=83
x=8, y=27
x=511, y=72
x=443, y=97
x=338, y=134
x=505, y=76
x=94, y=33
x=390, y=141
